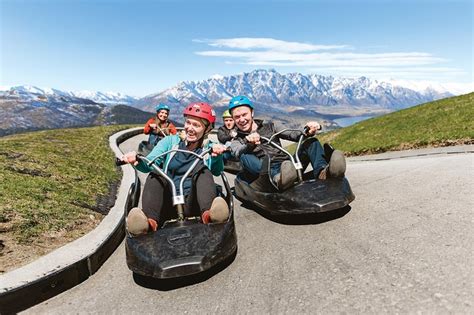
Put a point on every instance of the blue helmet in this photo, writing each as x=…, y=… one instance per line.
x=162, y=106
x=239, y=101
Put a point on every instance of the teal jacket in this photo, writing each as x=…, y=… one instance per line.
x=214, y=163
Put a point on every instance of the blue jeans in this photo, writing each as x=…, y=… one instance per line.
x=253, y=165
x=311, y=152
x=227, y=156
x=153, y=139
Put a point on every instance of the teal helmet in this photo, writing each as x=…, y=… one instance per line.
x=239, y=101
x=162, y=106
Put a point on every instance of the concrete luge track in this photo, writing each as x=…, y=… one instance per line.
x=404, y=246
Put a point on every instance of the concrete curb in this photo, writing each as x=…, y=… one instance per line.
x=72, y=263
x=413, y=153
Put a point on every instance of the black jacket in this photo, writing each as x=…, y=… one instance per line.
x=240, y=145
x=223, y=134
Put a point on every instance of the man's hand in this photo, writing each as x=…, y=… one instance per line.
x=313, y=127
x=218, y=149
x=130, y=157
x=253, y=138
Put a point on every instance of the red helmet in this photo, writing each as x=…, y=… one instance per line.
x=201, y=110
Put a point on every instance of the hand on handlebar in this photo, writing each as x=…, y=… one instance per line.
x=312, y=127
x=253, y=138
x=130, y=157
x=218, y=149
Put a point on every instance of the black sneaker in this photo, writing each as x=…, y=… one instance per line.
x=328, y=150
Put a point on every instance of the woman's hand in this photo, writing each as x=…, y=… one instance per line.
x=153, y=126
x=218, y=149
x=313, y=127
x=130, y=157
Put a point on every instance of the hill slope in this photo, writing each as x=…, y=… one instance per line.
x=48, y=112
x=439, y=123
x=56, y=185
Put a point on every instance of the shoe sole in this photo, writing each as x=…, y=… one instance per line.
x=288, y=175
x=219, y=211
x=137, y=222
x=337, y=165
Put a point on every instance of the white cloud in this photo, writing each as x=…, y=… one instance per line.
x=279, y=58
x=460, y=88
x=421, y=85
x=441, y=73
x=248, y=43
x=385, y=69
x=328, y=58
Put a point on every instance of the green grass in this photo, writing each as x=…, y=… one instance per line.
x=51, y=179
x=445, y=122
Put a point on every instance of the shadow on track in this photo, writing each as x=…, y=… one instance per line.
x=176, y=283
x=300, y=219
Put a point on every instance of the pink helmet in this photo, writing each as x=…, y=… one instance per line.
x=201, y=110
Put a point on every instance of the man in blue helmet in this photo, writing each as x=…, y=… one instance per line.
x=159, y=126
x=251, y=152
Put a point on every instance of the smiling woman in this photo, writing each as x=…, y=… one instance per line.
x=56, y=186
x=176, y=155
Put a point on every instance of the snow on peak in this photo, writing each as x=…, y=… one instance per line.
x=296, y=89
x=29, y=91
x=217, y=76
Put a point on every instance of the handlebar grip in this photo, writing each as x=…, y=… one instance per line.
x=305, y=130
x=119, y=162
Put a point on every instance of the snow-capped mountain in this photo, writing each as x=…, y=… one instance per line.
x=295, y=90
x=108, y=98
x=27, y=108
x=289, y=99
x=28, y=92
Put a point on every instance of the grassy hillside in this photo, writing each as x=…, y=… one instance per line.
x=56, y=185
x=445, y=122
x=123, y=114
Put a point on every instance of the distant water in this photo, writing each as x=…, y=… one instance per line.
x=347, y=121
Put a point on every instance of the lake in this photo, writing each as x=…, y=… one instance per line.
x=347, y=121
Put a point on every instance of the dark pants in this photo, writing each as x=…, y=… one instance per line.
x=227, y=156
x=157, y=199
x=311, y=152
x=153, y=139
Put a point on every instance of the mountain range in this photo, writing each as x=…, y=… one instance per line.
x=28, y=92
x=296, y=91
x=290, y=99
x=27, y=108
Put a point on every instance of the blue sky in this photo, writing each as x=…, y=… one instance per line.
x=143, y=47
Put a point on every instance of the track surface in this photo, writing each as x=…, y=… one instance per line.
x=405, y=246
